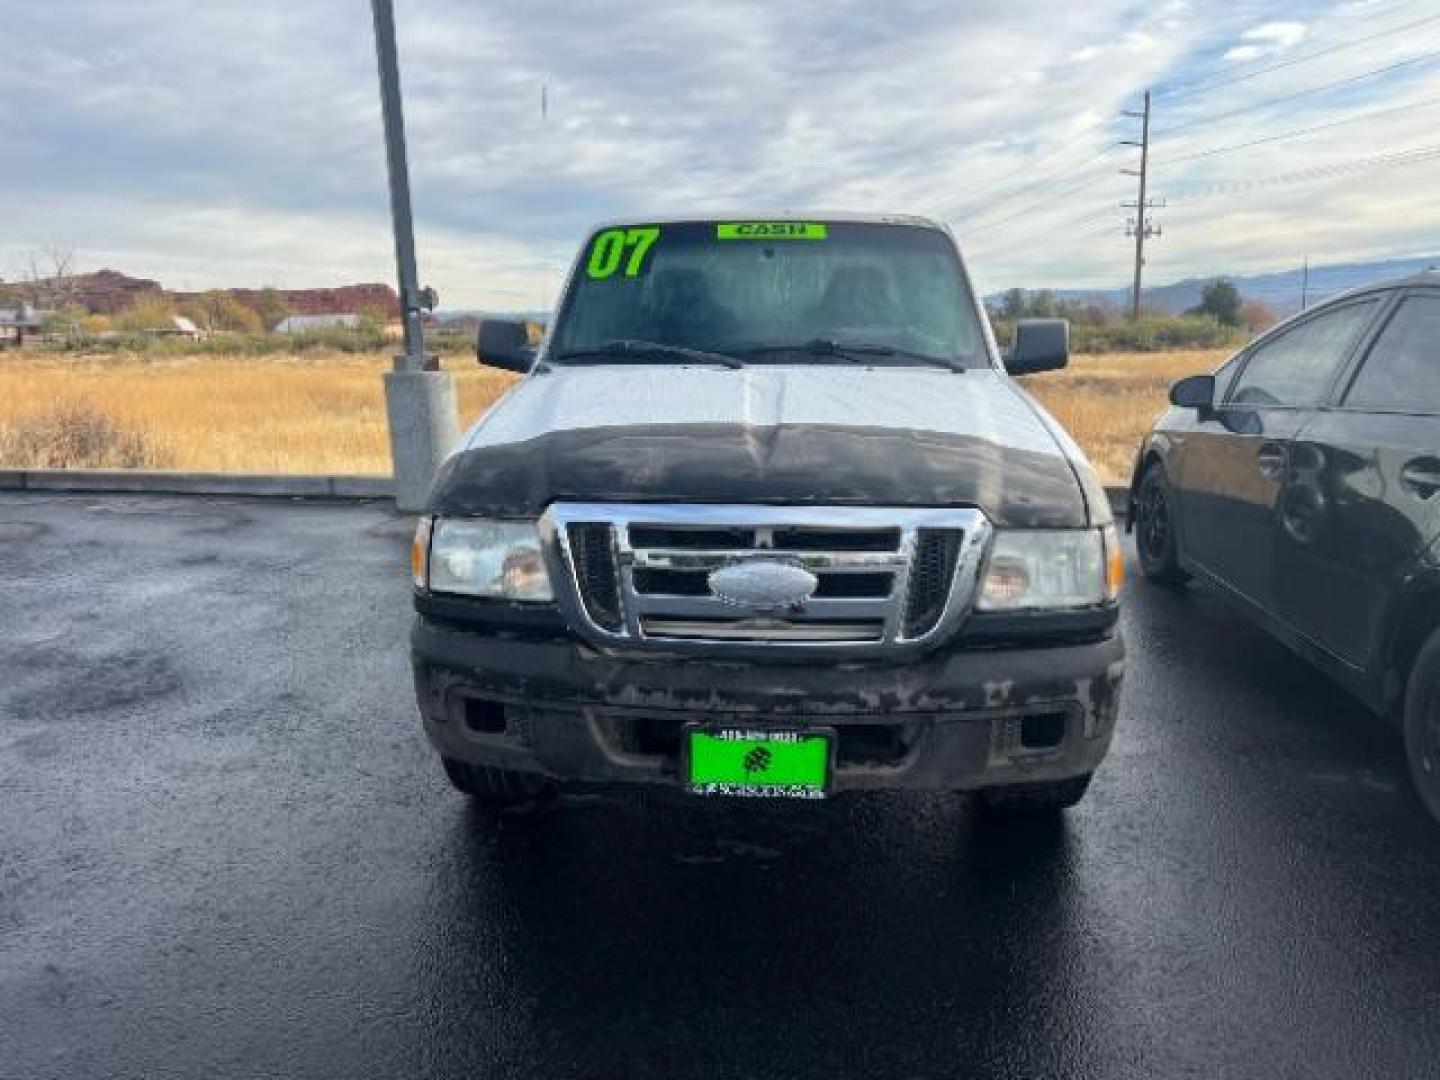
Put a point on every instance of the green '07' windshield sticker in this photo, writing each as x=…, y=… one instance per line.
x=615, y=247
x=771, y=230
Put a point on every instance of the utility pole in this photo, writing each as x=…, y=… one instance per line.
x=419, y=397
x=1305, y=284
x=1140, y=227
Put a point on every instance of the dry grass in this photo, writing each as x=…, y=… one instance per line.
x=325, y=413
x=76, y=435
x=1108, y=402
x=319, y=413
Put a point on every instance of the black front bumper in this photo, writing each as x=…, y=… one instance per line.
x=961, y=718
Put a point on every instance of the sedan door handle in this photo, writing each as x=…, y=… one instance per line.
x=1421, y=476
x=1270, y=460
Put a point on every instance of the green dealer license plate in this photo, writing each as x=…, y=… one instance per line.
x=757, y=762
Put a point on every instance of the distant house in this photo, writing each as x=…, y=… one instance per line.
x=174, y=326
x=298, y=324
x=15, y=323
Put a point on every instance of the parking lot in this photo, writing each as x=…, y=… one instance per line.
x=227, y=851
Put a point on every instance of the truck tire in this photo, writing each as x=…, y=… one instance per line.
x=495, y=787
x=1043, y=798
x=1155, y=530
x=1422, y=724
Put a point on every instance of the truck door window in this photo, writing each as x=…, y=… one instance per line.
x=1402, y=372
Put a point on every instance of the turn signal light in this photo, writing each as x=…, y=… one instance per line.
x=1114, y=563
x=420, y=554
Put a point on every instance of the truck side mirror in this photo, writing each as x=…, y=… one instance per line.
x=1196, y=392
x=504, y=343
x=1040, y=345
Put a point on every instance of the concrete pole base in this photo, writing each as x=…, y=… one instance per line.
x=424, y=425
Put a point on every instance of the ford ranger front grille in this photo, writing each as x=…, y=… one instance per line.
x=592, y=554
x=639, y=576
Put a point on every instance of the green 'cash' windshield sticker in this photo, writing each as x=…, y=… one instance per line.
x=771, y=230
x=616, y=246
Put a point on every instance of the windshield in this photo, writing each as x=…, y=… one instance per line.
x=779, y=292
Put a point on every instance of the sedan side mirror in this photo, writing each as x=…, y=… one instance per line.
x=1196, y=392
x=504, y=343
x=1040, y=345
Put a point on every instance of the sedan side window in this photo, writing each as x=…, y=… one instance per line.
x=1295, y=369
x=1402, y=372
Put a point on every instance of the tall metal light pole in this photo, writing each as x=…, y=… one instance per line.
x=419, y=397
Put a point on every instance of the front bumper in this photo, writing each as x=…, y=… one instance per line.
x=955, y=719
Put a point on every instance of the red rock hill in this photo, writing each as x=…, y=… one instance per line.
x=108, y=291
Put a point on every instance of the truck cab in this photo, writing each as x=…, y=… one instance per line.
x=767, y=516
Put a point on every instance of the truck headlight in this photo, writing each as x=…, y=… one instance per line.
x=1056, y=568
x=500, y=560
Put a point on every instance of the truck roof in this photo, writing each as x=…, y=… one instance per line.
x=913, y=220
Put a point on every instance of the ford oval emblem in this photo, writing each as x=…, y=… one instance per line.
x=763, y=587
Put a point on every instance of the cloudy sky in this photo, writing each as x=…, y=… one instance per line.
x=208, y=144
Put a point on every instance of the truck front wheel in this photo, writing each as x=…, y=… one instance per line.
x=1041, y=798
x=496, y=787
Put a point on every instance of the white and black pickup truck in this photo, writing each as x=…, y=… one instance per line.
x=767, y=516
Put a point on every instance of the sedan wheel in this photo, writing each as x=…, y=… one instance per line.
x=1422, y=725
x=1154, y=530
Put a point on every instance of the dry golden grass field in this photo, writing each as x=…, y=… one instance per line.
x=325, y=413
x=1107, y=402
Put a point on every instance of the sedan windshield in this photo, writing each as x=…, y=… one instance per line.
x=792, y=292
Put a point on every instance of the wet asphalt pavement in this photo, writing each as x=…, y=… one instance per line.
x=226, y=851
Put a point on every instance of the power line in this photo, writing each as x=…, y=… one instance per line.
x=1215, y=150
x=1078, y=220
x=1298, y=94
x=1388, y=159
x=1085, y=225
x=1079, y=139
x=1059, y=176
x=1030, y=166
x=1196, y=88
x=1023, y=211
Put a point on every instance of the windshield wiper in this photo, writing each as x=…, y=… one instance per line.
x=856, y=352
x=651, y=349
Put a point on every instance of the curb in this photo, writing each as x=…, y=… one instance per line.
x=128, y=481
x=136, y=482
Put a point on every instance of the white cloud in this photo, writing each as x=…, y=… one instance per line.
x=1268, y=39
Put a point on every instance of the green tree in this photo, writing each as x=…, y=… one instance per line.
x=1042, y=305
x=150, y=311
x=218, y=310
x=1013, y=306
x=372, y=321
x=1221, y=301
x=272, y=307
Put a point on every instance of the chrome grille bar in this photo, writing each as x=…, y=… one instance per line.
x=871, y=623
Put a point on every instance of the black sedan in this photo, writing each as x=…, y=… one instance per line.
x=1302, y=480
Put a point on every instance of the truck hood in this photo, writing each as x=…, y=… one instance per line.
x=815, y=434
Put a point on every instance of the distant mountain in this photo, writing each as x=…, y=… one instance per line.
x=1280, y=291
x=109, y=291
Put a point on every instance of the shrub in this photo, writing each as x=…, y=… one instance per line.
x=218, y=310
x=1153, y=333
x=148, y=312
x=76, y=435
x=328, y=338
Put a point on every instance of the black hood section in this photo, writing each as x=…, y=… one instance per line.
x=731, y=463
